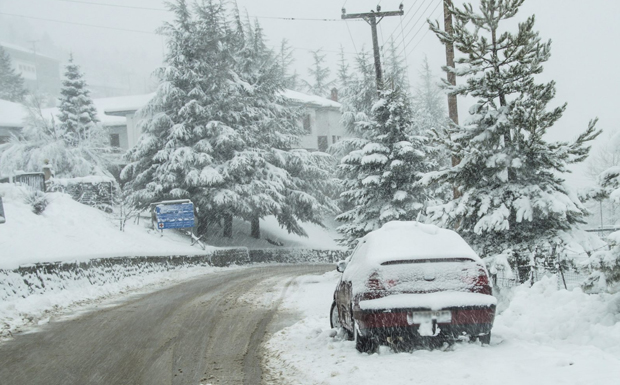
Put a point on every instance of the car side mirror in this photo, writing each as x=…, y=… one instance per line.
x=341, y=265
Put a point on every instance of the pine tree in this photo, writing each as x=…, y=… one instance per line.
x=381, y=176
x=11, y=83
x=286, y=59
x=511, y=194
x=429, y=100
x=359, y=94
x=77, y=113
x=605, y=264
x=43, y=142
x=218, y=130
x=319, y=75
x=395, y=71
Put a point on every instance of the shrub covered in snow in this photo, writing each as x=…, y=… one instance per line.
x=37, y=200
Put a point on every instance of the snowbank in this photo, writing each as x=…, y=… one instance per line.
x=70, y=231
x=546, y=336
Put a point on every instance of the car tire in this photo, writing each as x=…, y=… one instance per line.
x=334, y=318
x=485, y=339
x=365, y=344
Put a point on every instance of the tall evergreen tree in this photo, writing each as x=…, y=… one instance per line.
x=11, y=83
x=358, y=94
x=319, y=73
x=77, y=113
x=218, y=130
x=511, y=194
x=395, y=72
x=605, y=264
x=381, y=176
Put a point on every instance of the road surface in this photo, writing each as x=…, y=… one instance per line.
x=207, y=330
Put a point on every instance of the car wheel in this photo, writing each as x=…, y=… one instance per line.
x=485, y=339
x=334, y=319
x=365, y=344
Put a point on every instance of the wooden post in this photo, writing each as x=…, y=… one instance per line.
x=373, y=18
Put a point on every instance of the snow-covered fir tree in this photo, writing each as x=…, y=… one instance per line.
x=77, y=113
x=358, y=92
x=218, y=130
x=381, y=175
x=510, y=191
x=320, y=83
x=395, y=70
x=605, y=264
x=11, y=83
x=42, y=142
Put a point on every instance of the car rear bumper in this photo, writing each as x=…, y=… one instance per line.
x=472, y=321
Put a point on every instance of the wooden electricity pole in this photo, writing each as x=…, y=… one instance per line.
x=452, y=105
x=453, y=110
x=373, y=18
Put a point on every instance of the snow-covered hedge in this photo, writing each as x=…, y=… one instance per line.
x=296, y=256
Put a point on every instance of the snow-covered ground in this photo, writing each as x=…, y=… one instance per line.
x=545, y=336
x=70, y=231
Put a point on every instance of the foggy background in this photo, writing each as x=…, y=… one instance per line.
x=116, y=43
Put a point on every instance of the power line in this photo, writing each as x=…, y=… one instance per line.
x=420, y=29
x=114, y=5
x=76, y=23
x=420, y=18
x=121, y=29
x=165, y=10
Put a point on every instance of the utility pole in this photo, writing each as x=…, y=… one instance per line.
x=373, y=18
x=452, y=104
x=453, y=111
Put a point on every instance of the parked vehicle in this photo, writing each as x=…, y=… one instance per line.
x=409, y=281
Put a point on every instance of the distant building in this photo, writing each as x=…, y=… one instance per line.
x=41, y=73
x=12, y=116
x=321, y=119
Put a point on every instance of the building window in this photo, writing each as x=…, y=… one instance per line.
x=322, y=143
x=115, y=140
x=307, y=124
x=335, y=139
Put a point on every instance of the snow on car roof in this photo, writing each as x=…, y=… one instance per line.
x=413, y=240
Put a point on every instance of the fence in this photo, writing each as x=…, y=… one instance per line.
x=566, y=278
x=34, y=181
x=92, y=191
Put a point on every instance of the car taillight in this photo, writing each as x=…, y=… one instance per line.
x=480, y=283
x=375, y=283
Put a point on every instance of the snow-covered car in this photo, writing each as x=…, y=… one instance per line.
x=409, y=280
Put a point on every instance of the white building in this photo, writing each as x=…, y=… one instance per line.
x=12, y=116
x=321, y=119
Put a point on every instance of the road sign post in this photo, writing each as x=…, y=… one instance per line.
x=2, y=216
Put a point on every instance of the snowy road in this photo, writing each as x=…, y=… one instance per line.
x=205, y=331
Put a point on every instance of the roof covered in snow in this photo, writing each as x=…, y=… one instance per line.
x=123, y=105
x=412, y=240
x=12, y=114
x=24, y=50
x=312, y=100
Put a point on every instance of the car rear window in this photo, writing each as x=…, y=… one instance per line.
x=427, y=276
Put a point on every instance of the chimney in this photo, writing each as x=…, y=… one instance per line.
x=334, y=96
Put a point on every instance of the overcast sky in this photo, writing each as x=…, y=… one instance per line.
x=585, y=37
